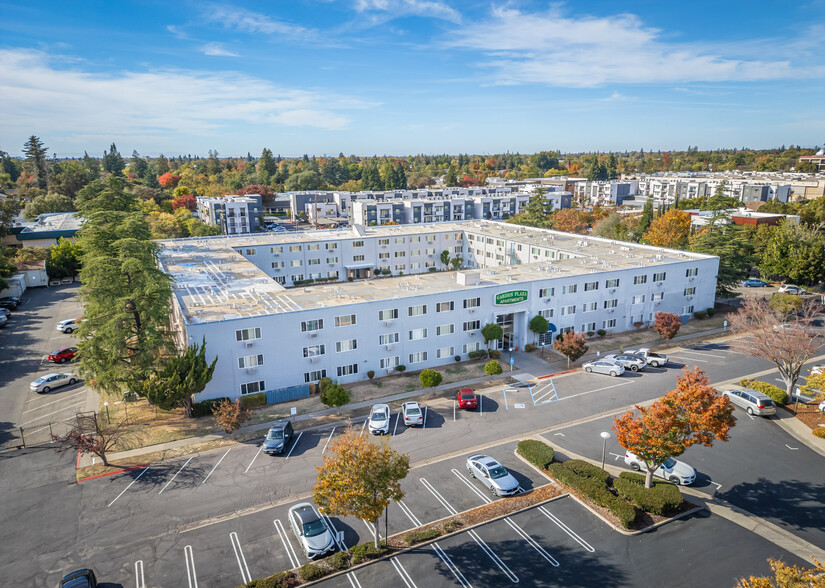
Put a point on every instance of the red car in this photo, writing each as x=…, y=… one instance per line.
x=466, y=398
x=63, y=355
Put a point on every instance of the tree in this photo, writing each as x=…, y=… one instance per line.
x=30, y=254
x=670, y=230
x=267, y=166
x=785, y=304
x=445, y=258
x=492, y=368
x=491, y=332
x=47, y=203
x=371, y=178
x=455, y=263
x=787, y=345
x=90, y=434
x=794, y=253
x=451, y=177
x=785, y=576
x=113, y=162
x=335, y=395
x=571, y=345
x=229, y=416
x=613, y=227
x=666, y=324
x=538, y=325
x=430, y=378
x=360, y=478
x=35, y=153
x=187, y=201
x=735, y=251
x=64, y=259
x=570, y=221
x=693, y=413
x=168, y=181
x=306, y=180
x=646, y=218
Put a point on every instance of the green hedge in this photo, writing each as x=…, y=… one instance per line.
x=339, y=560
x=477, y=354
x=539, y=454
x=593, y=488
x=529, y=347
x=663, y=498
x=777, y=394
x=204, y=407
x=253, y=400
x=366, y=551
x=279, y=580
x=495, y=354
x=310, y=571
x=414, y=537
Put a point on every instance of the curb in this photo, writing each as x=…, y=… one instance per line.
x=557, y=374
x=137, y=467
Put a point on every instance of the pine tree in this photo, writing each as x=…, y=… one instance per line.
x=647, y=217
x=451, y=178
x=35, y=154
x=113, y=162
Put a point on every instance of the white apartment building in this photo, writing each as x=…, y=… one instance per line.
x=231, y=290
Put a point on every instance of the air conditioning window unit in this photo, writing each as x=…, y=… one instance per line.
x=248, y=343
x=312, y=334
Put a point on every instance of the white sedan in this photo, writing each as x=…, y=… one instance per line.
x=379, y=423
x=672, y=470
x=603, y=366
x=413, y=416
x=493, y=475
x=46, y=383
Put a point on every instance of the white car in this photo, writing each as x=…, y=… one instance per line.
x=311, y=530
x=44, y=384
x=791, y=289
x=630, y=361
x=822, y=406
x=68, y=326
x=379, y=423
x=673, y=470
x=413, y=416
x=493, y=475
x=603, y=366
x=818, y=370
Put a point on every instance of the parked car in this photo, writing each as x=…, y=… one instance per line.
x=79, y=579
x=379, y=423
x=755, y=283
x=752, y=401
x=818, y=370
x=279, y=435
x=311, y=530
x=791, y=289
x=3, y=321
x=50, y=381
x=654, y=359
x=466, y=398
x=6, y=312
x=822, y=406
x=603, y=366
x=493, y=475
x=63, y=354
x=631, y=362
x=10, y=302
x=68, y=326
x=673, y=470
x=413, y=416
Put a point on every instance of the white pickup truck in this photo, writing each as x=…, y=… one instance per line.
x=654, y=359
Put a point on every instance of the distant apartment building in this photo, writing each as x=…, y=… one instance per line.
x=608, y=193
x=818, y=160
x=235, y=215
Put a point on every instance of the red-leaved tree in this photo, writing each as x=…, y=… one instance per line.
x=187, y=201
x=694, y=413
x=571, y=345
x=667, y=324
x=168, y=180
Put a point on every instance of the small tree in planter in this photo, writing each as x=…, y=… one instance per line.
x=539, y=326
x=445, y=258
x=666, y=324
x=335, y=395
x=493, y=368
x=491, y=332
x=229, y=416
x=571, y=345
x=371, y=374
x=401, y=369
x=430, y=378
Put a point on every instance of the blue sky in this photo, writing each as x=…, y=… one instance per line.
x=410, y=76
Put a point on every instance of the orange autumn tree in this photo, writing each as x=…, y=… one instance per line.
x=360, y=478
x=168, y=180
x=785, y=576
x=694, y=413
x=669, y=230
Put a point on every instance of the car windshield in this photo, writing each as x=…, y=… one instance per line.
x=497, y=472
x=275, y=435
x=413, y=411
x=669, y=462
x=378, y=416
x=314, y=528
x=468, y=396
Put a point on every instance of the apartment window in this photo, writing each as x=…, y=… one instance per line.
x=546, y=313
x=639, y=299
x=568, y=289
x=313, y=247
x=687, y=310
x=295, y=263
x=357, y=243
x=565, y=310
x=332, y=260
x=401, y=268
x=314, y=376
x=357, y=258
x=416, y=239
x=590, y=306
x=331, y=246
x=415, y=252
x=637, y=318
x=315, y=350
x=401, y=254
x=547, y=292
x=389, y=362
x=590, y=286
x=690, y=291
x=660, y=277
x=296, y=277
x=277, y=264
x=315, y=261
x=399, y=240
x=417, y=310
x=429, y=264
x=248, y=334
x=611, y=303
x=472, y=302
x=384, y=255
x=388, y=314
x=313, y=325
x=418, y=357
x=692, y=272
x=640, y=279
x=280, y=279
x=430, y=251
x=472, y=325
x=612, y=283
x=416, y=334
x=345, y=320
x=276, y=249
x=444, y=330
x=253, y=387
x=468, y=347
x=250, y=361
x=609, y=324
x=588, y=327
x=294, y=248
x=443, y=352
x=444, y=306
x=388, y=338
x=344, y=346
x=251, y=251
x=383, y=241
x=415, y=266
x=657, y=296
x=347, y=370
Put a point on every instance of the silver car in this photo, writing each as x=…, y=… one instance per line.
x=672, y=470
x=68, y=326
x=379, y=423
x=631, y=362
x=603, y=366
x=413, y=416
x=50, y=381
x=311, y=530
x=493, y=475
x=752, y=401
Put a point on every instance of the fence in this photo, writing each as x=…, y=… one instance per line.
x=286, y=394
x=18, y=437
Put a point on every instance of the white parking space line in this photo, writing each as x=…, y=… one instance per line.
x=294, y=445
x=353, y=580
x=437, y=548
x=216, y=466
x=191, y=574
x=129, y=486
x=261, y=448
x=290, y=552
x=506, y=406
x=176, y=474
x=424, y=425
x=43, y=416
x=791, y=448
x=718, y=486
x=597, y=390
x=399, y=569
x=239, y=557
x=687, y=359
x=616, y=455
x=362, y=429
x=545, y=394
x=54, y=401
x=328, y=440
x=453, y=409
x=339, y=540
x=479, y=541
x=395, y=428
x=566, y=529
x=372, y=529
x=140, y=581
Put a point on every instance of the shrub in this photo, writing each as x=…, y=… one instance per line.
x=366, y=551
x=310, y=571
x=666, y=324
x=710, y=311
x=457, y=358
x=594, y=488
x=639, y=324
x=700, y=314
x=777, y=394
x=477, y=354
x=350, y=279
x=279, y=580
x=601, y=332
x=529, y=347
x=662, y=499
x=587, y=470
x=335, y=395
x=339, y=560
x=450, y=526
x=324, y=383
x=430, y=378
x=253, y=400
x=371, y=374
x=815, y=386
x=400, y=369
x=590, y=333
x=495, y=354
x=492, y=368
x=414, y=537
x=819, y=432
x=433, y=270
x=204, y=407
x=539, y=454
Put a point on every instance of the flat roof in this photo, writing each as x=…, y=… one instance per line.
x=214, y=282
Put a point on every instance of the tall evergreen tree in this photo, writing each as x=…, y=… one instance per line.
x=267, y=164
x=138, y=165
x=113, y=162
x=451, y=177
x=35, y=153
x=647, y=217
x=162, y=165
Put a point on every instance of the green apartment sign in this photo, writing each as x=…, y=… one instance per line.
x=511, y=297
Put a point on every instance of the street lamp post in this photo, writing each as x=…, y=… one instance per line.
x=605, y=437
x=106, y=404
x=511, y=359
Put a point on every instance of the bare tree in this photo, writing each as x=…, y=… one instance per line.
x=788, y=345
x=92, y=434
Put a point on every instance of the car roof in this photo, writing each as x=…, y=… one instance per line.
x=755, y=393
x=380, y=407
x=411, y=403
x=306, y=512
x=278, y=425
x=466, y=391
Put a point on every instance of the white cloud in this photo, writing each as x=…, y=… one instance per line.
x=39, y=95
x=398, y=8
x=240, y=19
x=555, y=49
x=217, y=49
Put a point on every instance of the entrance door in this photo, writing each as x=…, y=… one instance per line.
x=508, y=337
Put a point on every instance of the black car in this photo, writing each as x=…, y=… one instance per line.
x=279, y=435
x=10, y=302
x=79, y=579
